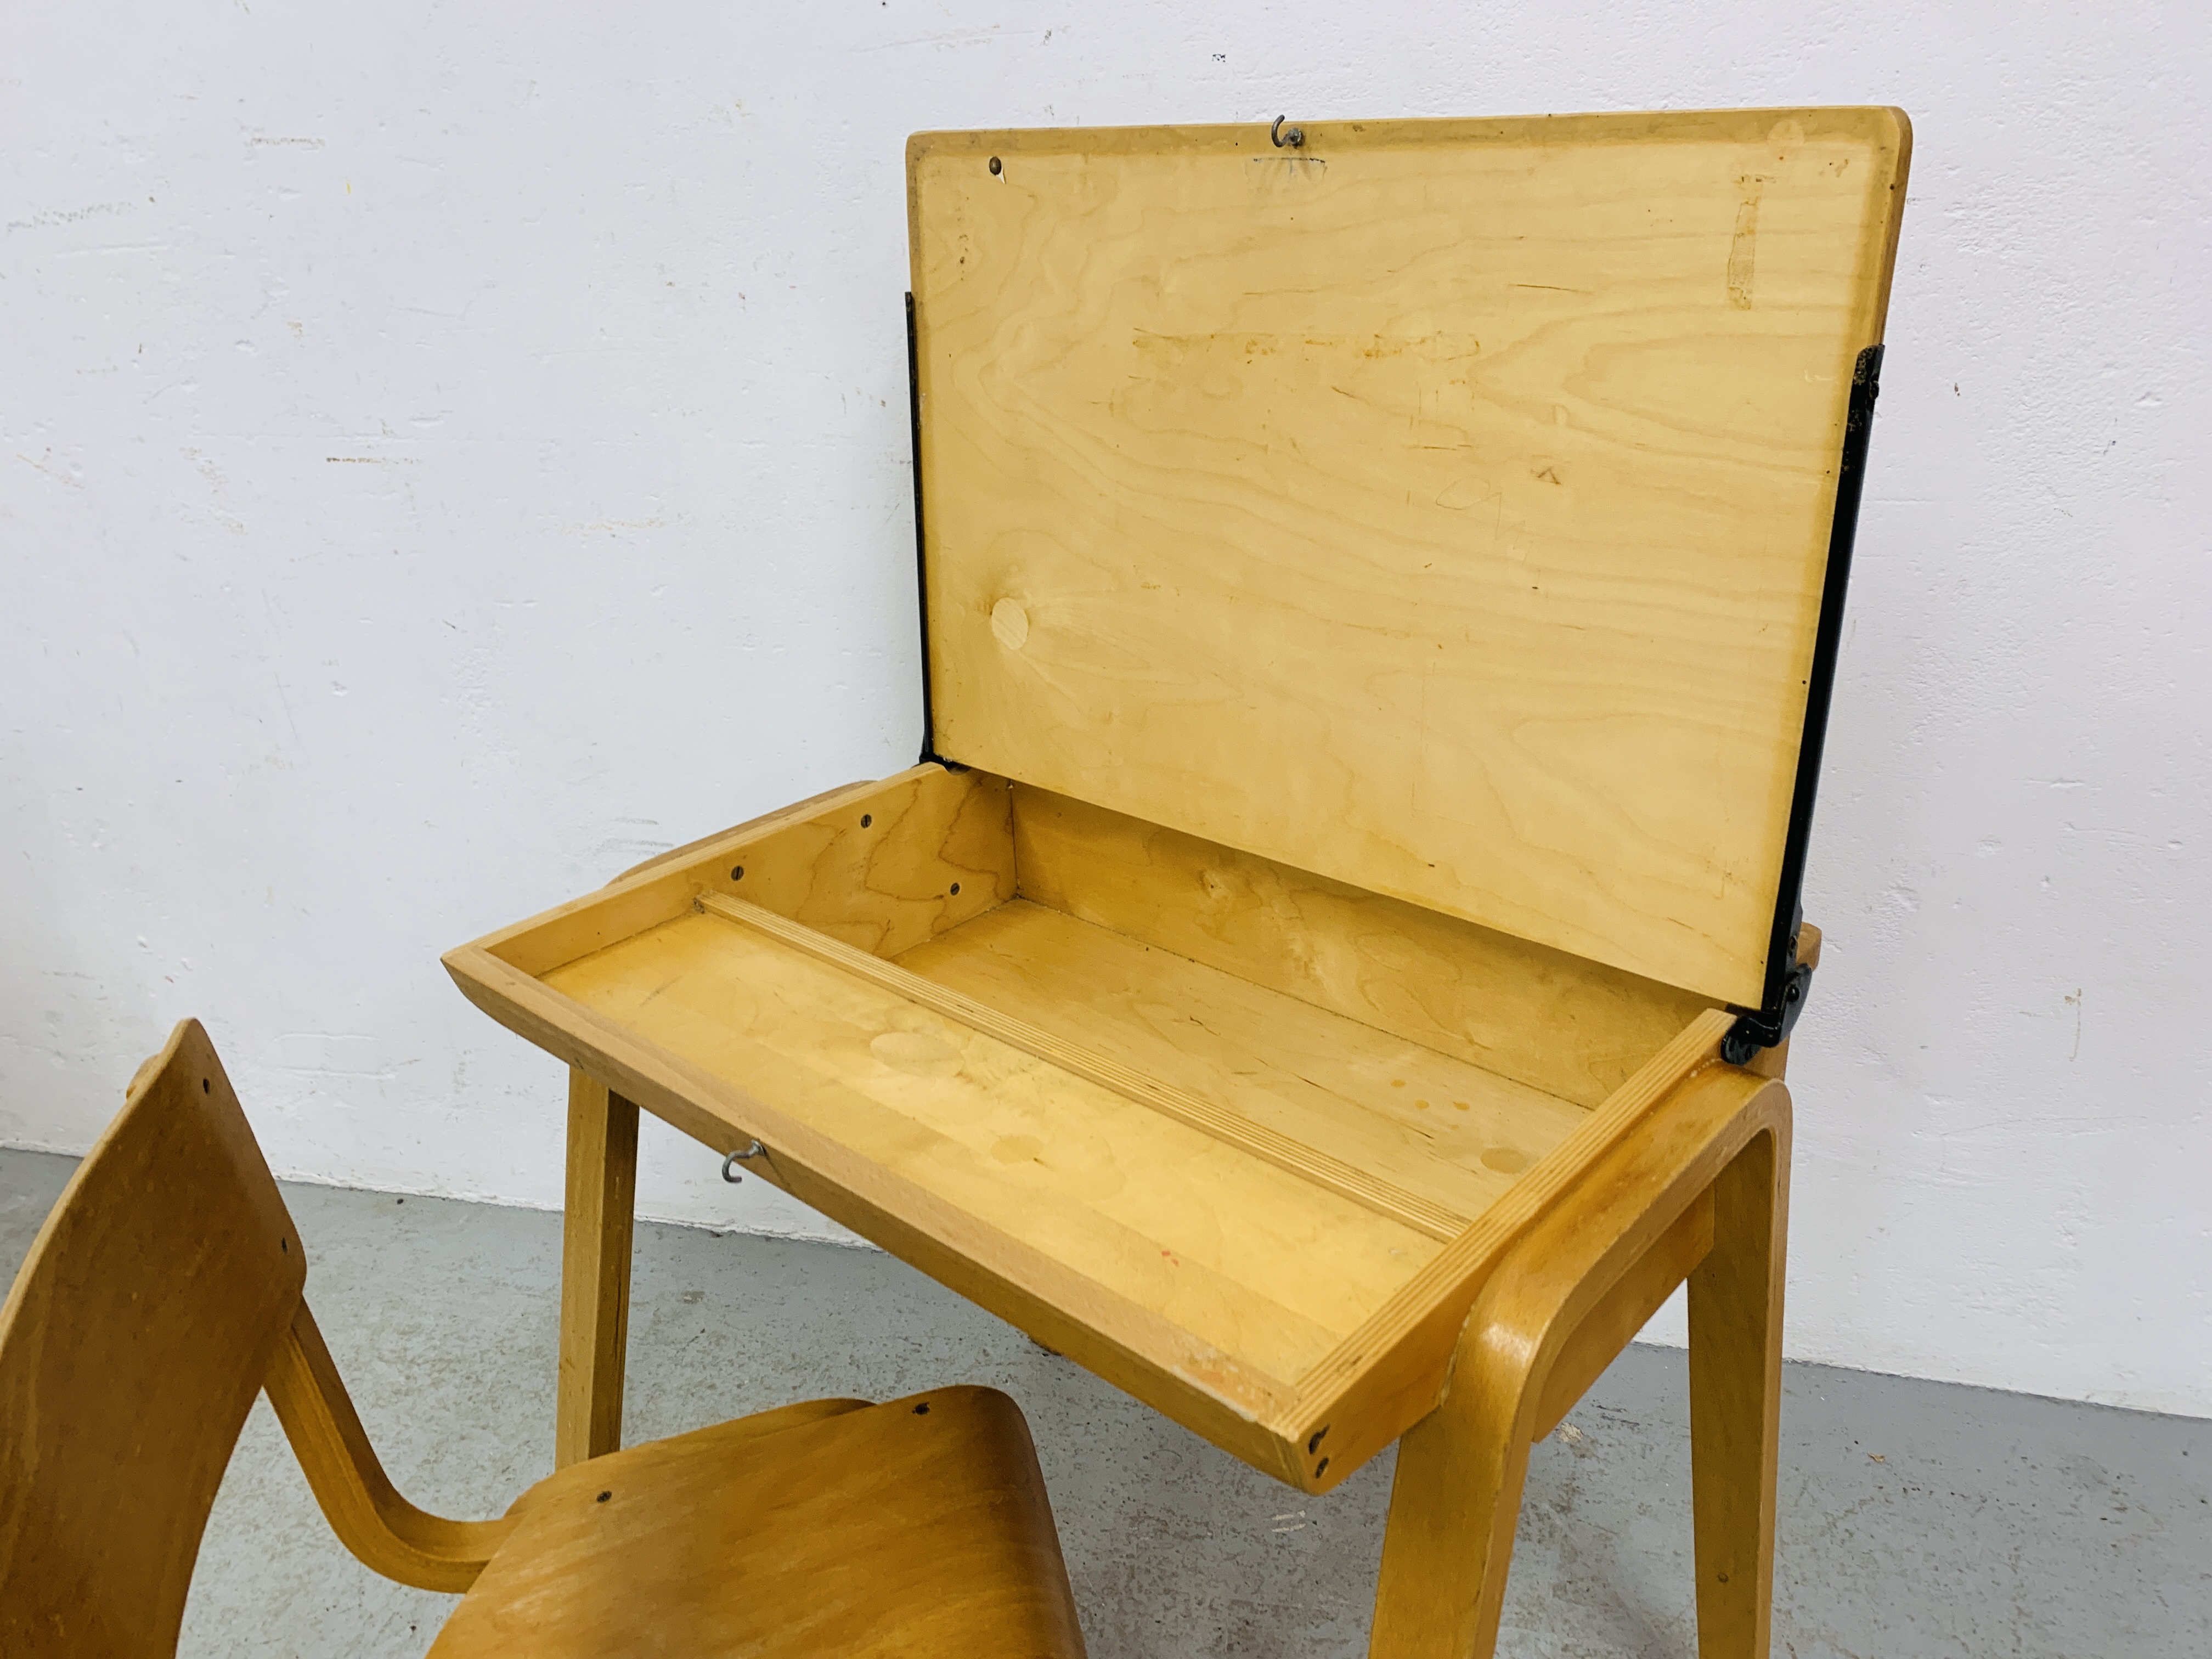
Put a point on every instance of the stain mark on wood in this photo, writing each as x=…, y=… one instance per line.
x=1743, y=252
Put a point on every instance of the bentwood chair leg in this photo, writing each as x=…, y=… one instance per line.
x=595, y=1250
x=1735, y=1397
x=1454, y=1505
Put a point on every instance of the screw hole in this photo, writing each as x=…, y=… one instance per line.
x=996, y=169
x=866, y=818
x=922, y=1410
x=203, y=1085
x=736, y=872
x=604, y=1496
x=955, y=887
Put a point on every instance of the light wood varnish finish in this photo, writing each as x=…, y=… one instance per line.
x=707, y=1545
x=1555, y=1022
x=595, y=1259
x=1715, y=1159
x=1371, y=589
x=141, y=1326
x=166, y=1288
x=1440, y=506
x=1263, y=1210
x=384, y=1530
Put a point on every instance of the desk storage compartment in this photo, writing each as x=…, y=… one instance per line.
x=1380, y=591
x=1232, y=1135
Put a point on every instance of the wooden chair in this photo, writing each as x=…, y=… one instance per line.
x=165, y=1291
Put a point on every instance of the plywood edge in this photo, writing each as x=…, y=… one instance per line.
x=1899, y=137
x=1388, y=1374
x=1226, y=1400
x=1874, y=123
x=660, y=888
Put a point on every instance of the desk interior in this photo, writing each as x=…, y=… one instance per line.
x=1226, y=1117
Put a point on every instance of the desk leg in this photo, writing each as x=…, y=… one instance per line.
x=1736, y=1397
x=595, y=1242
x=1454, y=1506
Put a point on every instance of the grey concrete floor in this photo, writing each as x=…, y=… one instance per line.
x=1916, y=1518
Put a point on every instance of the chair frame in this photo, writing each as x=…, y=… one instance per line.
x=166, y=1291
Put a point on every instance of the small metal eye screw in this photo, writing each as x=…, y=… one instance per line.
x=1291, y=139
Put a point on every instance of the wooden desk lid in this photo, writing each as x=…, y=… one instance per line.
x=1440, y=506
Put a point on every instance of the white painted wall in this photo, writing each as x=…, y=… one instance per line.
x=448, y=458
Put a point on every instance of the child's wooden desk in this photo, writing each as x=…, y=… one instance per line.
x=1329, y=973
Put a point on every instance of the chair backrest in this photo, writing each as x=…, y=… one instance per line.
x=143, y=1324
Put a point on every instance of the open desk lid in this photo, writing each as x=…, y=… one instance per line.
x=1445, y=507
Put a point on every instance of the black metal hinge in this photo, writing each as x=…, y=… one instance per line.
x=1771, y=1026
x=921, y=546
x=1788, y=981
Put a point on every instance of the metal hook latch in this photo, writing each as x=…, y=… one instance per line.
x=1293, y=138
x=729, y=1174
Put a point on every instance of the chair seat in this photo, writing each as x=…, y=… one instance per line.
x=917, y=1528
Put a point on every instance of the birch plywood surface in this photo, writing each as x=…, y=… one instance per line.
x=1566, y=1027
x=1259, y=1264
x=1442, y=507
x=1449, y=1132
x=1251, y=1163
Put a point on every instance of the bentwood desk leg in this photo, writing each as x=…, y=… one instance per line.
x=1736, y=1397
x=1565, y=1300
x=595, y=1249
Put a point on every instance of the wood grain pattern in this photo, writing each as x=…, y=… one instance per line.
x=881, y=865
x=1389, y=1374
x=163, y=1290
x=1442, y=507
x=598, y=1214
x=166, y=1287
x=1613, y=1324
x=1449, y=1545
x=987, y=1180
x=1736, y=1398
x=131, y=1346
x=737, y=833
x=1119, y=1338
x=1075, y=1046
x=1570, y=1028
x=1386, y=1109
x=918, y=1528
x=1259, y=1264
x=386, y=1532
